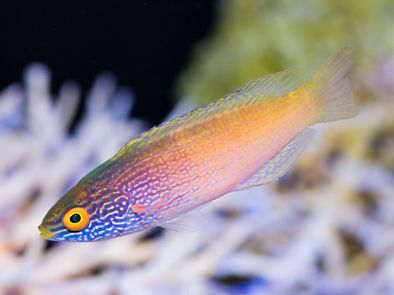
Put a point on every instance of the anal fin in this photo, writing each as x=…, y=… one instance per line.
x=281, y=163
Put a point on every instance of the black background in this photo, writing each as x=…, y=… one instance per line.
x=144, y=43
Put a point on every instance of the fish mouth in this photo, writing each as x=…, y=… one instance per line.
x=45, y=233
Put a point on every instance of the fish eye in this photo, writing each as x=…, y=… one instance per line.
x=76, y=219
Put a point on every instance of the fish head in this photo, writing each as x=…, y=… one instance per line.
x=88, y=213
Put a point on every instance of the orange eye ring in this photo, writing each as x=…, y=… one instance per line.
x=76, y=219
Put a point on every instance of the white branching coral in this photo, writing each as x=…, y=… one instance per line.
x=324, y=228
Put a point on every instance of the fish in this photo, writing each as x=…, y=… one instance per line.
x=247, y=138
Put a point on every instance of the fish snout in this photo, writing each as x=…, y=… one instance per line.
x=45, y=233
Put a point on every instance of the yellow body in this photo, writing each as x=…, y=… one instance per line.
x=217, y=153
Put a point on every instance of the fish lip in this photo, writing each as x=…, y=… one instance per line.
x=45, y=233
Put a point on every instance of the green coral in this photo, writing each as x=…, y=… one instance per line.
x=256, y=37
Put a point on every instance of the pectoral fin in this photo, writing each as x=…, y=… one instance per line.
x=281, y=163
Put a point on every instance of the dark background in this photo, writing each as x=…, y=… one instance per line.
x=144, y=43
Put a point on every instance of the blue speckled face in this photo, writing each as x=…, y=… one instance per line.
x=82, y=216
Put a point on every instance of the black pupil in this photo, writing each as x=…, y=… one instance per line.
x=75, y=218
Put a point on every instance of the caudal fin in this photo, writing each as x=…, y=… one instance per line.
x=332, y=94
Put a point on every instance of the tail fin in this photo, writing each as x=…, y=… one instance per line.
x=332, y=93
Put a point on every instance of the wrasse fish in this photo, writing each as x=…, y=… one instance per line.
x=247, y=138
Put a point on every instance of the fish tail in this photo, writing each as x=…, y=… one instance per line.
x=332, y=95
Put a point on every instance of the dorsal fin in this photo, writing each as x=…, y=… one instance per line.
x=268, y=87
